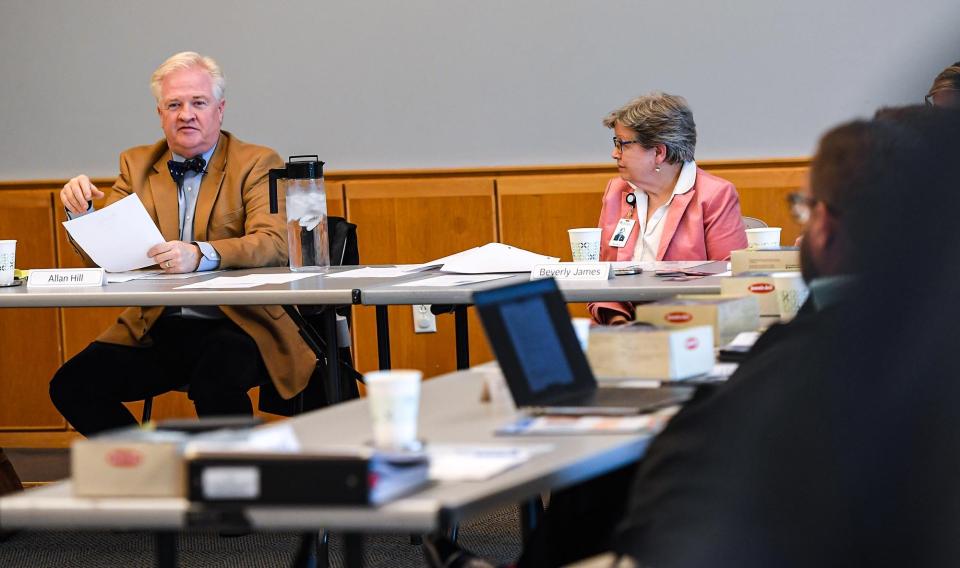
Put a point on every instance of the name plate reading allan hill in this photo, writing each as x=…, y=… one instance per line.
x=573, y=271
x=65, y=277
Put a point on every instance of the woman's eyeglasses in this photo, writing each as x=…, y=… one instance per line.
x=619, y=144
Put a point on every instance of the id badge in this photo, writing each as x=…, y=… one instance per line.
x=622, y=232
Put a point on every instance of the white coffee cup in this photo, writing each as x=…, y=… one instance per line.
x=791, y=292
x=581, y=327
x=8, y=259
x=585, y=244
x=766, y=237
x=394, y=398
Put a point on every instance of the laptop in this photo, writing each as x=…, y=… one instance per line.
x=547, y=372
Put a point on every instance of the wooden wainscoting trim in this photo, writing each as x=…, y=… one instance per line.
x=716, y=166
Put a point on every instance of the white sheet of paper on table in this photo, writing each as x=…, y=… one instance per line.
x=654, y=265
x=118, y=277
x=177, y=276
x=479, y=462
x=247, y=280
x=372, y=272
x=117, y=237
x=454, y=280
x=488, y=259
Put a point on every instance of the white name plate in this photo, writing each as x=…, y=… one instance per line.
x=65, y=277
x=573, y=271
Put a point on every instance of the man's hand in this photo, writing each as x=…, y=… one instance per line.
x=77, y=192
x=176, y=256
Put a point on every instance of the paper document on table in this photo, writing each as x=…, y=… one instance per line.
x=176, y=276
x=279, y=438
x=476, y=463
x=655, y=265
x=434, y=263
x=554, y=425
x=117, y=237
x=118, y=277
x=488, y=259
x=246, y=281
x=372, y=272
x=454, y=279
x=745, y=339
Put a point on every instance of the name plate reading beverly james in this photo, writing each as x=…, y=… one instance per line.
x=65, y=277
x=573, y=271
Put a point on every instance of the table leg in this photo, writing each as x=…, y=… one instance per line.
x=166, y=544
x=383, y=337
x=531, y=513
x=313, y=551
x=323, y=549
x=463, y=337
x=334, y=394
x=354, y=549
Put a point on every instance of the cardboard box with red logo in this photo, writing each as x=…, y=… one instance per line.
x=782, y=259
x=728, y=315
x=758, y=285
x=129, y=463
x=644, y=352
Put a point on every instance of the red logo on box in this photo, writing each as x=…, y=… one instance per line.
x=692, y=343
x=760, y=288
x=678, y=317
x=124, y=458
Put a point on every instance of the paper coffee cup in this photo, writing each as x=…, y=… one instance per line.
x=394, y=399
x=791, y=292
x=585, y=244
x=581, y=327
x=767, y=237
x=8, y=259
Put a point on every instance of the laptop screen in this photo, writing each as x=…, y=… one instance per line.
x=529, y=328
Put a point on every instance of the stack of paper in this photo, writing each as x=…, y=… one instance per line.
x=488, y=259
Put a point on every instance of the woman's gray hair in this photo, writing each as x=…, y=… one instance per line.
x=186, y=60
x=659, y=118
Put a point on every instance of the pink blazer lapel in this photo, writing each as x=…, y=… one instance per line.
x=677, y=207
x=626, y=211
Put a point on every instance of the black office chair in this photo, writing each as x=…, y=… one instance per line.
x=343, y=252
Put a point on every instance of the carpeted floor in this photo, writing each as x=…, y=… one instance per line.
x=495, y=536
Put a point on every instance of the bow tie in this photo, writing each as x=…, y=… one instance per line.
x=179, y=169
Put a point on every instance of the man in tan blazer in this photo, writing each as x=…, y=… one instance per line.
x=207, y=192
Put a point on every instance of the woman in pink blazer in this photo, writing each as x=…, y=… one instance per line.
x=662, y=207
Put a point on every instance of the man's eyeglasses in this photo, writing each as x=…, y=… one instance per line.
x=619, y=144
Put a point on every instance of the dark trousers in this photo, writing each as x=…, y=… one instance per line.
x=580, y=521
x=9, y=481
x=218, y=361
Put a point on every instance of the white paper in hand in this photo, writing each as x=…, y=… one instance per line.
x=118, y=237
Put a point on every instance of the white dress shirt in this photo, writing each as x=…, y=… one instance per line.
x=648, y=241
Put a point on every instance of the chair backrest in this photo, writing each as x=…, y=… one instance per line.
x=754, y=223
x=343, y=252
x=343, y=242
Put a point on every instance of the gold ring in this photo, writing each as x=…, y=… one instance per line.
x=168, y=264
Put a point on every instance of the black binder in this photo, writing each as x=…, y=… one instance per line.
x=235, y=478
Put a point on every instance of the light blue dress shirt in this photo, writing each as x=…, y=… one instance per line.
x=187, y=201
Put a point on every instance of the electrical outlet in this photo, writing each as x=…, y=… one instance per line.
x=423, y=319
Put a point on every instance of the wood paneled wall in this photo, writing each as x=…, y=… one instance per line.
x=402, y=217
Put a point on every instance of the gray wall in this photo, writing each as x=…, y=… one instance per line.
x=448, y=83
